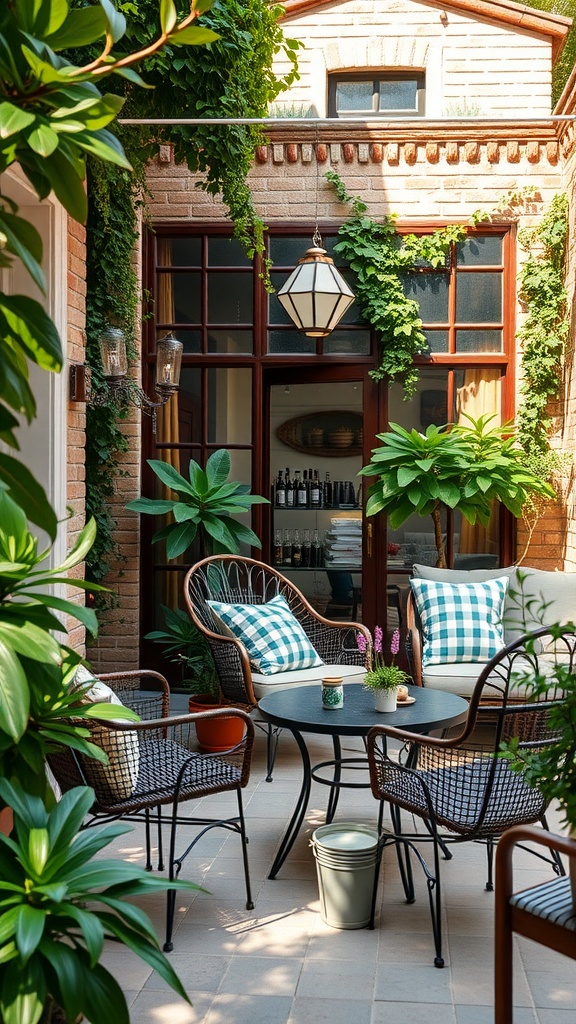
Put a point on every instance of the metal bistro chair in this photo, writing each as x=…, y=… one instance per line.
x=458, y=786
x=151, y=765
x=239, y=580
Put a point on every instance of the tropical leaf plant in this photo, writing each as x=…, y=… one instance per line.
x=465, y=467
x=205, y=507
x=184, y=645
x=58, y=906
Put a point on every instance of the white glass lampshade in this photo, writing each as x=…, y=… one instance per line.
x=168, y=362
x=315, y=296
x=113, y=353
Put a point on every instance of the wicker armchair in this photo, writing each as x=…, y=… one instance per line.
x=152, y=763
x=459, y=784
x=246, y=581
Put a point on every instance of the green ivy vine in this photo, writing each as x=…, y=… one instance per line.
x=545, y=331
x=380, y=257
x=112, y=297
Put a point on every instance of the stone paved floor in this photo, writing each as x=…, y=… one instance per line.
x=281, y=964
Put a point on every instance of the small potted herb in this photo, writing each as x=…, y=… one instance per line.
x=383, y=679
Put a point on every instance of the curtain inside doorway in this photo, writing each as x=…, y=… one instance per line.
x=168, y=430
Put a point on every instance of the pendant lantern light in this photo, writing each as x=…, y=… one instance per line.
x=316, y=296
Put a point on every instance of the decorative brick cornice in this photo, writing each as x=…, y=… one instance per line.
x=411, y=151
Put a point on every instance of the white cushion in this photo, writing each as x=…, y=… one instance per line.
x=117, y=779
x=460, y=621
x=272, y=636
x=305, y=677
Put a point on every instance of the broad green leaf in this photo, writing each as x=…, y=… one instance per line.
x=116, y=22
x=186, y=513
x=14, y=694
x=23, y=240
x=244, y=534
x=34, y=329
x=30, y=641
x=180, y=539
x=27, y=492
x=91, y=929
x=80, y=549
x=193, y=36
x=171, y=477
x=168, y=15
x=41, y=17
x=80, y=28
x=62, y=173
x=218, y=468
x=29, y=930
x=13, y=119
x=23, y=993
x=152, y=506
x=104, y=145
x=42, y=140
x=146, y=951
x=86, y=616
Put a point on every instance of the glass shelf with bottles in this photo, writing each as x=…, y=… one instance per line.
x=306, y=491
x=292, y=551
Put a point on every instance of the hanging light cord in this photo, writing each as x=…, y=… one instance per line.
x=317, y=237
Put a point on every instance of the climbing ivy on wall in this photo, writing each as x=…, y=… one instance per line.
x=379, y=257
x=545, y=331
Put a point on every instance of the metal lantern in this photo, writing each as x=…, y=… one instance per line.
x=168, y=362
x=113, y=354
x=316, y=296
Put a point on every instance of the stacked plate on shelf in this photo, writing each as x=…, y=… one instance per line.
x=343, y=545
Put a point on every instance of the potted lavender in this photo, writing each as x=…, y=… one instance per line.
x=383, y=679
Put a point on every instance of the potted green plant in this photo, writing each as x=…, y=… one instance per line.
x=384, y=680
x=552, y=770
x=185, y=646
x=58, y=907
x=465, y=467
x=204, y=508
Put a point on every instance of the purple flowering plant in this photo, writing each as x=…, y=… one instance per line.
x=383, y=675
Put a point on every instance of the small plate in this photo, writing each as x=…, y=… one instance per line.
x=409, y=700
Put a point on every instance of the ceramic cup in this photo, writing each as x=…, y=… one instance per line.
x=332, y=692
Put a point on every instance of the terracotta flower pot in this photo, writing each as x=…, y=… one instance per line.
x=217, y=734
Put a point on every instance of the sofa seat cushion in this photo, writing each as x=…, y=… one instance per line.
x=305, y=677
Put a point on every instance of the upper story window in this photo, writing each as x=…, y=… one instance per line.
x=389, y=94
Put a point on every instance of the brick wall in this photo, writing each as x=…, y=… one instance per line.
x=76, y=425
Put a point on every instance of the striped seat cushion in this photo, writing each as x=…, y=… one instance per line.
x=273, y=638
x=460, y=621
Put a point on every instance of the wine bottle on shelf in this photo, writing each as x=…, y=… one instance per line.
x=327, y=492
x=280, y=496
x=289, y=491
x=305, y=557
x=287, y=548
x=302, y=491
x=278, y=548
x=315, y=492
x=296, y=550
x=316, y=558
x=310, y=489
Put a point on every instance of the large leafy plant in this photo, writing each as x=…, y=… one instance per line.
x=205, y=506
x=465, y=467
x=58, y=906
x=185, y=646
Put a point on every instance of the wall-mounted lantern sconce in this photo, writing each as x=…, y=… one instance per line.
x=118, y=388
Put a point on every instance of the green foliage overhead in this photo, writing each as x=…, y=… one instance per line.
x=230, y=78
x=205, y=506
x=379, y=256
x=58, y=907
x=465, y=467
x=546, y=329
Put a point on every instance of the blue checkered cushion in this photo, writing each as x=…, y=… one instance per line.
x=274, y=639
x=460, y=621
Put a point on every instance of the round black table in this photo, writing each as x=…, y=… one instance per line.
x=299, y=709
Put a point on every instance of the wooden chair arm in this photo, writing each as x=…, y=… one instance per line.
x=413, y=641
x=525, y=834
